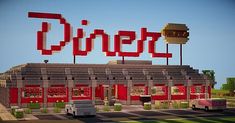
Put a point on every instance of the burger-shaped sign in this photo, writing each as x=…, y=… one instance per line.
x=175, y=33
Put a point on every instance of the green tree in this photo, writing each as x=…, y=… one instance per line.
x=210, y=74
x=230, y=86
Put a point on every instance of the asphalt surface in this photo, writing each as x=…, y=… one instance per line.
x=153, y=115
x=141, y=115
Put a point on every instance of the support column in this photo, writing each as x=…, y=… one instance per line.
x=74, y=59
x=129, y=87
x=45, y=86
x=111, y=83
x=19, y=86
x=170, y=83
x=167, y=59
x=123, y=60
x=181, y=55
x=70, y=82
x=70, y=86
x=150, y=85
x=93, y=86
x=206, y=89
x=188, y=85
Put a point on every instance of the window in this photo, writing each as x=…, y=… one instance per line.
x=177, y=90
x=158, y=90
x=32, y=92
x=54, y=92
x=137, y=90
x=196, y=89
x=81, y=92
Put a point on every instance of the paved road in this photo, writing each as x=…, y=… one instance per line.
x=141, y=115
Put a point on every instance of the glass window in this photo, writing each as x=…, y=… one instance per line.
x=137, y=90
x=196, y=89
x=177, y=90
x=158, y=90
x=32, y=92
x=54, y=92
x=81, y=92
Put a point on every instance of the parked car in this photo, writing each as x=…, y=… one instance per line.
x=209, y=104
x=80, y=108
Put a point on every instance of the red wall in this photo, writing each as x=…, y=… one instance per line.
x=209, y=91
x=13, y=95
x=99, y=91
x=122, y=92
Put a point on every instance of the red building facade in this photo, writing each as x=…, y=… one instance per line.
x=50, y=83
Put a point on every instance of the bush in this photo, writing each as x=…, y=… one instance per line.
x=27, y=111
x=97, y=109
x=117, y=107
x=157, y=104
x=147, y=106
x=19, y=113
x=175, y=105
x=184, y=104
x=60, y=104
x=34, y=105
x=57, y=110
x=165, y=105
x=106, y=108
x=44, y=110
x=13, y=108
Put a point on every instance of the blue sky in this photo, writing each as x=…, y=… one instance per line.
x=211, y=23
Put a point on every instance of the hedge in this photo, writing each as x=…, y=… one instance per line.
x=147, y=106
x=106, y=108
x=184, y=104
x=60, y=104
x=117, y=107
x=19, y=113
x=34, y=105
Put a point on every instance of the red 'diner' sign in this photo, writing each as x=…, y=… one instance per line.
x=123, y=37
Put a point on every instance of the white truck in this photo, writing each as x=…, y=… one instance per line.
x=80, y=108
x=209, y=104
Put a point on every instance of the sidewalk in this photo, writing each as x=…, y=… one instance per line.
x=4, y=114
